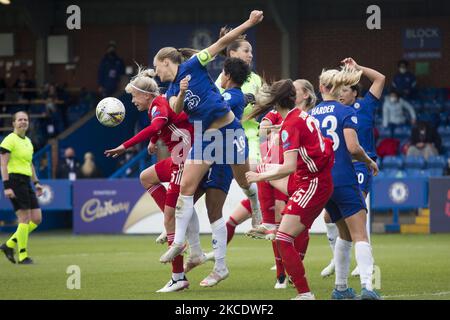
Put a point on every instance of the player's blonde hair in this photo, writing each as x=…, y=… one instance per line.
x=143, y=82
x=280, y=94
x=309, y=89
x=333, y=80
x=177, y=56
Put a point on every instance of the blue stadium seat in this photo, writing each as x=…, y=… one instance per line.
x=444, y=132
x=436, y=162
x=446, y=144
x=432, y=106
x=414, y=173
x=447, y=105
x=394, y=173
x=402, y=133
x=417, y=104
x=414, y=162
x=435, y=172
x=384, y=132
x=392, y=162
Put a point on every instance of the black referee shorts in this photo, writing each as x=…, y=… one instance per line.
x=25, y=195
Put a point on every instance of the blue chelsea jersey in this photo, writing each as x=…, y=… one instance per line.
x=235, y=100
x=203, y=101
x=333, y=118
x=365, y=111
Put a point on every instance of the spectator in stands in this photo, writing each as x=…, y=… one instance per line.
x=447, y=169
x=394, y=108
x=425, y=140
x=110, y=71
x=89, y=169
x=69, y=167
x=24, y=87
x=54, y=117
x=404, y=81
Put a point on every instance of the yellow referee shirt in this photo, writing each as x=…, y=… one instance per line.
x=21, y=154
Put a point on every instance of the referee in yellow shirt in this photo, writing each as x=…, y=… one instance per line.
x=16, y=154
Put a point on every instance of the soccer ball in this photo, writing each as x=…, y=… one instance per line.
x=110, y=112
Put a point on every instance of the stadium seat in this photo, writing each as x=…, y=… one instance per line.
x=432, y=107
x=417, y=104
x=392, y=162
x=436, y=162
x=414, y=162
x=414, y=173
x=435, y=172
x=384, y=132
x=394, y=173
x=446, y=144
x=402, y=133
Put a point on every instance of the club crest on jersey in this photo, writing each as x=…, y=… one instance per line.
x=357, y=105
x=284, y=135
x=226, y=96
x=155, y=112
x=355, y=120
x=191, y=100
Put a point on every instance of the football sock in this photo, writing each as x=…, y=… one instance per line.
x=177, y=263
x=231, y=227
x=292, y=262
x=158, y=193
x=332, y=234
x=301, y=243
x=183, y=214
x=364, y=260
x=278, y=261
x=342, y=255
x=193, y=235
x=22, y=240
x=11, y=243
x=219, y=243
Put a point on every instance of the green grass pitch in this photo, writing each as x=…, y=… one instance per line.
x=127, y=267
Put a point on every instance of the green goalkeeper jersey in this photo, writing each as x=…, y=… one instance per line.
x=251, y=127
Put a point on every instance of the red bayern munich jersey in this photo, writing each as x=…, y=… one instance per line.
x=166, y=125
x=273, y=144
x=177, y=125
x=300, y=132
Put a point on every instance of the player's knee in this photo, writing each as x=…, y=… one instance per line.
x=144, y=179
x=187, y=189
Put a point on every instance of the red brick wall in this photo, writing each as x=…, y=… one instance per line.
x=323, y=44
x=268, y=44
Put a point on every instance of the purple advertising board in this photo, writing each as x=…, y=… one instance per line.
x=440, y=204
x=108, y=206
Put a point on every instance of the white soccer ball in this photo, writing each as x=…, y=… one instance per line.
x=110, y=112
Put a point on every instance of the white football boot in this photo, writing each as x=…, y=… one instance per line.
x=162, y=238
x=173, y=286
x=194, y=261
x=328, y=270
x=304, y=296
x=214, y=278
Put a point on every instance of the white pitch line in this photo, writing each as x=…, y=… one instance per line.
x=442, y=293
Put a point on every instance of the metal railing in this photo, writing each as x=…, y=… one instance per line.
x=37, y=157
x=142, y=159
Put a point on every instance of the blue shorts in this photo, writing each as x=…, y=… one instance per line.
x=345, y=202
x=364, y=176
x=227, y=145
x=219, y=176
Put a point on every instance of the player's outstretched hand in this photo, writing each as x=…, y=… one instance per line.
x=350, y=62
x=184, y=83
x=252, y=176
x=151, y=148
x=256, y=17
x=374, y=167
x=115, y=152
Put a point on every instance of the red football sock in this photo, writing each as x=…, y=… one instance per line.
x=292, y=262
x=278, y=261
x=158, y=193
x=301, y=243
x=231, y=227
x=177, y=263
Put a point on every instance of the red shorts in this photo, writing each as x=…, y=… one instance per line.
x=168, y=171
x=266, y=196
x=308, y=197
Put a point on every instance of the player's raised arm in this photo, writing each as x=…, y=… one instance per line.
x=378, y=79
x=256, y=17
